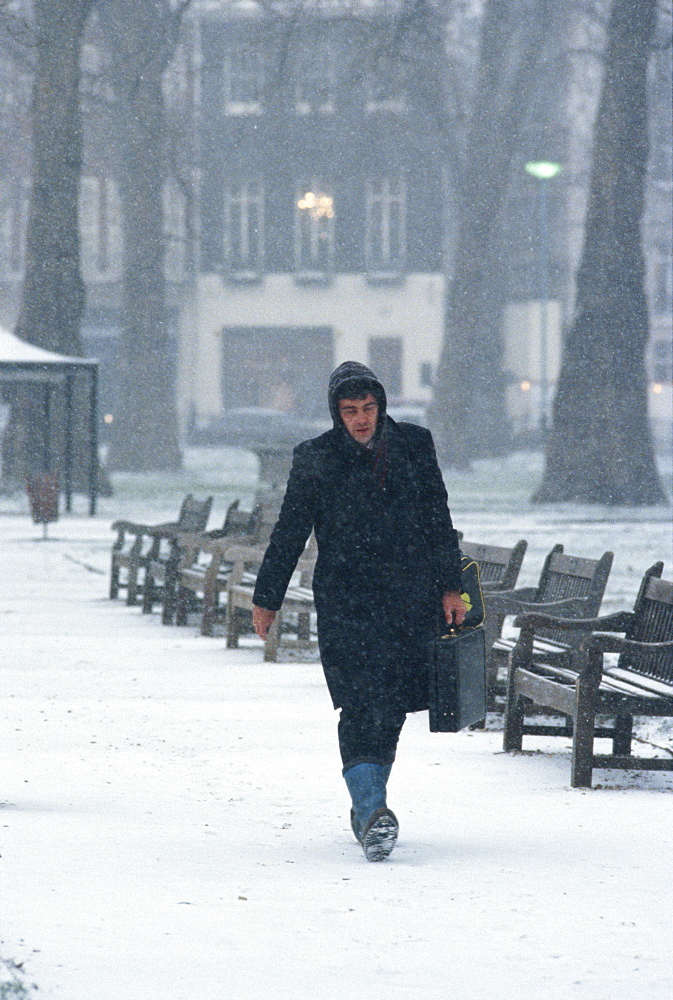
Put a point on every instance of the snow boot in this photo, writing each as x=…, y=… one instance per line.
x=380, y=835
x=373, y=824
x=354, y=824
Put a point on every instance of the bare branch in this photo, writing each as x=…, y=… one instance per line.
x=19, y=29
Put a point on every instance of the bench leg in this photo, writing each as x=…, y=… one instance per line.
x=621, y=741
x=582, y=763
x=132, y=585
x=181, y=605
x=149, y=592
x=170, y=593
x=168, y=606
x=208, y=616
x=114, y=580
x=231, y=625
x=514, y=712
x=273, y=640
x=304, y=628
x=514, y=718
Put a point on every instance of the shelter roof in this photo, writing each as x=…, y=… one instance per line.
x=19, y=356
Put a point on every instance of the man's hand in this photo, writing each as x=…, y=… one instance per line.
x=454, y=608
x=262, y=621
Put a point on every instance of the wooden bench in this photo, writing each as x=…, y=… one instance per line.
x=161, y=575
x=569, y=587
x=204, y=568
x=640, y=683
x=498, y=567
x=135, y=544
x=295, y=614
x=203, y=576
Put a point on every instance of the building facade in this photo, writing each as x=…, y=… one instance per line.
x=308, y=217
x=321, y=214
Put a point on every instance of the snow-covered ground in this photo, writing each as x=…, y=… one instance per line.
x=174, y=825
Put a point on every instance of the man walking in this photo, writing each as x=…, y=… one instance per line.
x=388, y=567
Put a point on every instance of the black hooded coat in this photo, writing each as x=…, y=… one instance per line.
x=387, y=551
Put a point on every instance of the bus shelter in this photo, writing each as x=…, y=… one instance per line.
x=24, y=362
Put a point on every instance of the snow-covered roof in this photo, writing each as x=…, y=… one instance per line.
x=17, y=354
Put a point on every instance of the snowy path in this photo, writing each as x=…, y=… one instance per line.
x=173, y=823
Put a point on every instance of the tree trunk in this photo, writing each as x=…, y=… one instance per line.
x=142, y=38
x=600, y=448
x=468, y=415
x=53, y=291
x=52, y=300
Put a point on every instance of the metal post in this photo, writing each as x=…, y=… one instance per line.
x=93, y=435
x=544, y=302
x=543, y=171
x=67, y=467
x=46, y=433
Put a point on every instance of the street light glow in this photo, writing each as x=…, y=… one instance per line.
x=543, y=170
x=319, y=206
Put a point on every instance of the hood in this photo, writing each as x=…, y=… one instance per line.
x=357, y=374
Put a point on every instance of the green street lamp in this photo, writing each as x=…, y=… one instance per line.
x=543, y=171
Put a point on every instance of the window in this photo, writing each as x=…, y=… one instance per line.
x=314, y=228
x=175, y=231
x=385, y=360
x=385, y=225
x=100, y=228
x=663, y=285
x=244, y=227
x=15, y=201
x=243, y=81
x=176, y=79
x=385, y=86
x=426, y=374
x=93, y=65
x=662, y=360
x=15, y=91
x=316, y=75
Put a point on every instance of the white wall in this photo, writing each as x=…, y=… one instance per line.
x=524, y=358
x=355, y=309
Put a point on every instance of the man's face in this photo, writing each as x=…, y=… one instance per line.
x=360, y=417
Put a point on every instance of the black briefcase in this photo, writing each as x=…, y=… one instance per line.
x=457, y=680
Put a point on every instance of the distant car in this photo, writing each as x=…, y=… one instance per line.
x=256, y=427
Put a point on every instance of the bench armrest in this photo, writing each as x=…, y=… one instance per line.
x=170, y=529
x=499, y=603
x=601, y=643
x=188, y=539
x=230, y=537
x=618, y=622
x=244, y=553
x=519, y=594
x=131, y=526
x=573, y=606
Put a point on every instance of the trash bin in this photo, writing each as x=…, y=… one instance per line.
x=43, y=489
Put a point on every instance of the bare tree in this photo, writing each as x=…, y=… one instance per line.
x=600, y=448
x=141, y=38
x=52, y=300
x=53, y=291
x=468, y=411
